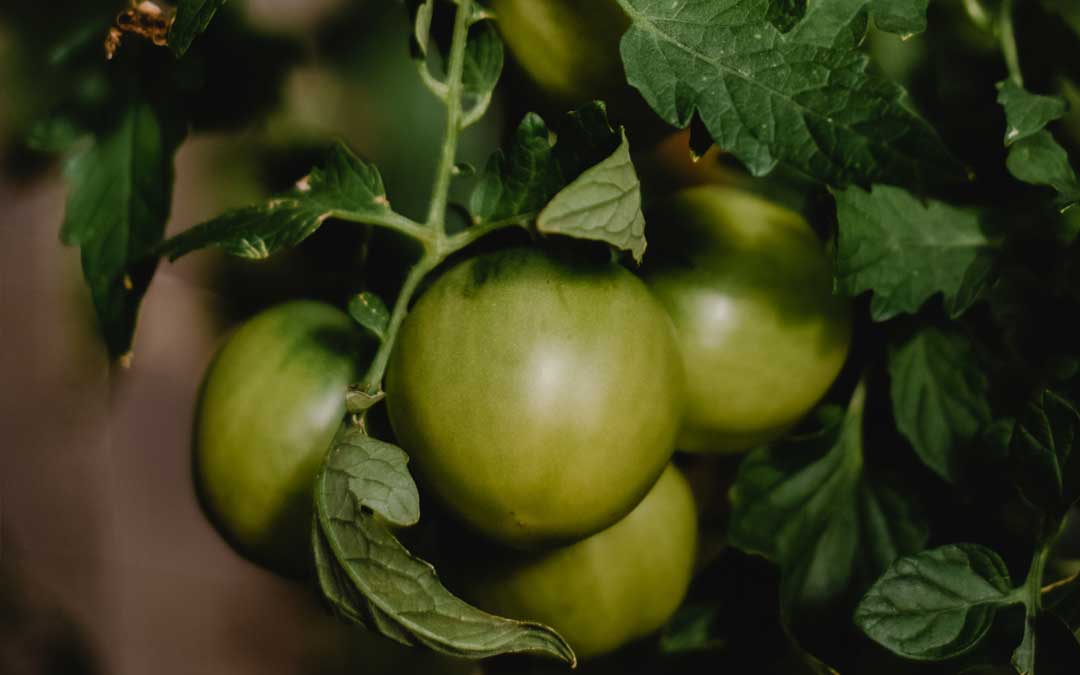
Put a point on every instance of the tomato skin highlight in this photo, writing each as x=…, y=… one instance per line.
x=603, y=592
x=537, y=394
x=749, y=286
x=272, y=400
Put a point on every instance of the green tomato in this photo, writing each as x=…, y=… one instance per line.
x=569, y=47
x=750, y=288
x=537, y=394
x=271, y=403
x=600, y=593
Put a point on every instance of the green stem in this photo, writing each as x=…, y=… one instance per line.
x=1030, y=594
x=1007, y=35
x=445, y=172
x=1033, y=583
x=978, y=14
x=437, y=245
x=456, y=242
x=372, y=383
x=391, y=221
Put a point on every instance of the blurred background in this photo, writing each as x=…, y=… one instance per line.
x=107, y=564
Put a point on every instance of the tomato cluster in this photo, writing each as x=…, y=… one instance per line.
x=542, y=392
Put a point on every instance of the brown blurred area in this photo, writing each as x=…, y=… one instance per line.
x=107, y=563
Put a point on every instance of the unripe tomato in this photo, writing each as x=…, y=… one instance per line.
x=749, y=286
x=569, y=47
x=271, y=403
x=538, y=394
x=600, y=593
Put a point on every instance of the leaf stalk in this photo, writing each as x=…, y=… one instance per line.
x=1007, y=36
x=438, y=246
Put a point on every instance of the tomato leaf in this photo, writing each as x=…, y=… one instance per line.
x=422, y=13
x=375, y=475
x=1040, y=160
x=603, y=203
x=484, y=56
x=1034, y=156
x=936, y=604
x=939, y=397
x=1043, y=443
x=843, y=23
x=346, y=187
x=1025, y=113
x=344, y=599
x=905, y=251
x=584, y=185
x=837, y=24
x=585, y=138
x=370, y=578
x=483, y=66
x=903, y=17
x=370, y=312
x=805, y=98
x=523, y=179
x=120, y=192
x=691, y=630
x=811, y=506
x=192, y=18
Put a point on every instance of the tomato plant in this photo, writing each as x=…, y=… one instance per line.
x=618, y=585
x=891, y=348
x=763, y=336
x=553, y=437
x=269, y=407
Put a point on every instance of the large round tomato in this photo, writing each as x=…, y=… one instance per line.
x=604, y=591
x=538, y=394
x=750, y=288
x=271, y=403
x=569, y=47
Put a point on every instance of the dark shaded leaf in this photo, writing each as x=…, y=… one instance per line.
x=810, y=506
x=346, y=187
x=120, y=192
x=936, y=604
x=522, y=180
x=784, y=14
x=1042, y=449
x=483, y=61
x=1040, y=160
x=1052, y=649
x=192, y=18
x=939, y=397
x=1026, y=113
x=585, y=138
x=905, y=251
